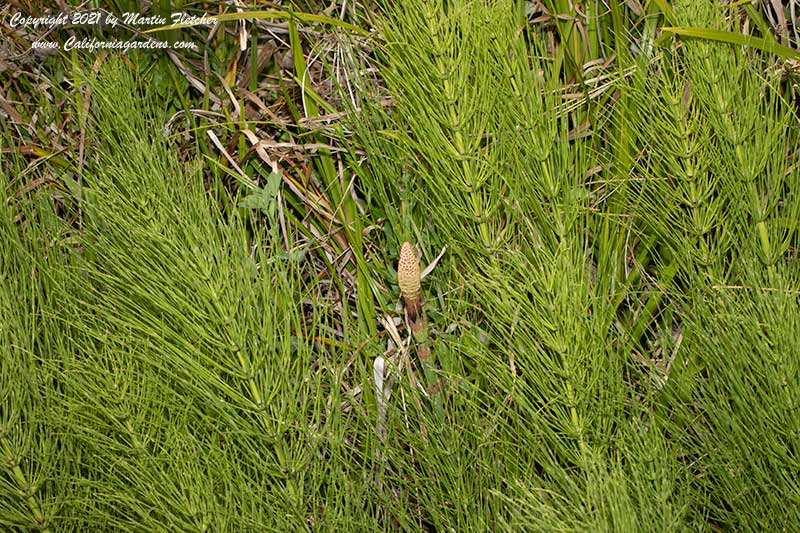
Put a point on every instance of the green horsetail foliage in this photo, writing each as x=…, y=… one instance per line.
x=587, y=262
x=163, y=375
x=611, y=333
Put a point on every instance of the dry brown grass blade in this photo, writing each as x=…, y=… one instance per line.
x=9, y=109
x=244, y=177
x=193, y=80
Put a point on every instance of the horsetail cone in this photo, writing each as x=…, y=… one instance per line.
x=408, y=273
x=408, y=278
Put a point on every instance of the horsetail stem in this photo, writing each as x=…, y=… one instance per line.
x=409, y=280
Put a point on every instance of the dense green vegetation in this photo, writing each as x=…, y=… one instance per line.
x=202, y=324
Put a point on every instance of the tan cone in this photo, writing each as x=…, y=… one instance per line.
x=408, y=273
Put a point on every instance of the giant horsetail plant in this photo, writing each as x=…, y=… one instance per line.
x=617, y=323
x=410, y=281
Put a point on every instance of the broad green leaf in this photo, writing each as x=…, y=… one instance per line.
x=738, y=39
x=265, y=198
